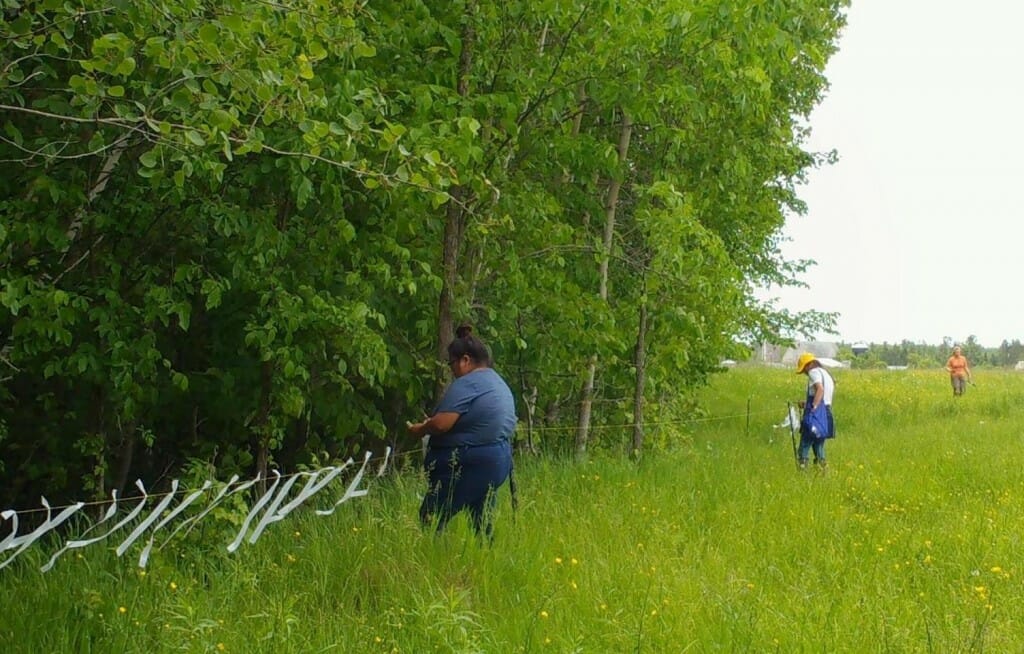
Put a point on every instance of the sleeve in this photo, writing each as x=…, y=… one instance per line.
x=815, y=376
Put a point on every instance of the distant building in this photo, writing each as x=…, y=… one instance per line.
x=820, y=349
x=779, y=356
x=771, y=353
x=860, y=348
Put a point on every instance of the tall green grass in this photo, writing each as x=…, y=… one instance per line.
x=910, y=542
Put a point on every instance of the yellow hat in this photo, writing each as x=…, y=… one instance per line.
x=802, y=362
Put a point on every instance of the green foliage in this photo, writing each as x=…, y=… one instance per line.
x=222, y=224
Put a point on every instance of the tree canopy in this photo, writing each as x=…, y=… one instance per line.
x=242, y=232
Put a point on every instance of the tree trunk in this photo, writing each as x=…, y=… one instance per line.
x=124, y=458
x=586, y=407
x=454, y=217
x=263, y=428
x=530, y=399
x=587, y=401
x=75, y=228
x=449, y=277
x=640, y=363
x=529, y=393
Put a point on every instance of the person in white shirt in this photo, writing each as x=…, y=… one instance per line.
x=817, y=423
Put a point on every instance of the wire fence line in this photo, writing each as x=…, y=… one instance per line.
x=661, y=423
x=389, y=456
x=272, y=506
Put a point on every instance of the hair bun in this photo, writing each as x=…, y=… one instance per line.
x=462, y=331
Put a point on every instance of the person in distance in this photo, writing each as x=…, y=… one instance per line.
x=817, y=423
x=959, y=371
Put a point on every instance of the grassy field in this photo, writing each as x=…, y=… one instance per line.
x=911, y=542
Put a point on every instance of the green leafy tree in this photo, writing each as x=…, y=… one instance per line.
x=242, y=232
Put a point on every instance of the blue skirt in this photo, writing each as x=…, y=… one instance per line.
x=464, y=477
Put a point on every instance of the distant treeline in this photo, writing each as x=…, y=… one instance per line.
x=922, y=355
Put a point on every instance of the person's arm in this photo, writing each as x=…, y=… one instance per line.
x=439, y=423
x=819, y=395
x=967, y=369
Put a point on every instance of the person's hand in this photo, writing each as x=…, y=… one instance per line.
x=415, y=428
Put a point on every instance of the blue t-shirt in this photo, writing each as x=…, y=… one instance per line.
x=487, y=411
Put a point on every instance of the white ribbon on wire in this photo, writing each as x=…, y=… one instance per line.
x=72, y=544
x=224, y=492
x=313, y=487
x=144, y=557
x=252, y=513
x=23, y=542
x=150, y=519
x=13, y=517
x=384, y=463
x=351, y=491
x=315, y=482
x=270, y=514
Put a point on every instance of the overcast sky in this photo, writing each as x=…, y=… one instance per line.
x=917, y=230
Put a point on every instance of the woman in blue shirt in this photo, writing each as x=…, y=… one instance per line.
x=469, y=455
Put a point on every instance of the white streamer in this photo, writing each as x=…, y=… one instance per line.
x=351, y=491
x=277, y=508
x=111, y=510
x=194, y=520
x=252, y=514
x=271, y=513
x=384, y=465
x=313, y=486
x=26, y=541
x=128, y=518
x=150, y=519
x=13, y=517
x=144, y=557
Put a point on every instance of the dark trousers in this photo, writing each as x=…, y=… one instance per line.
x=465, y=478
